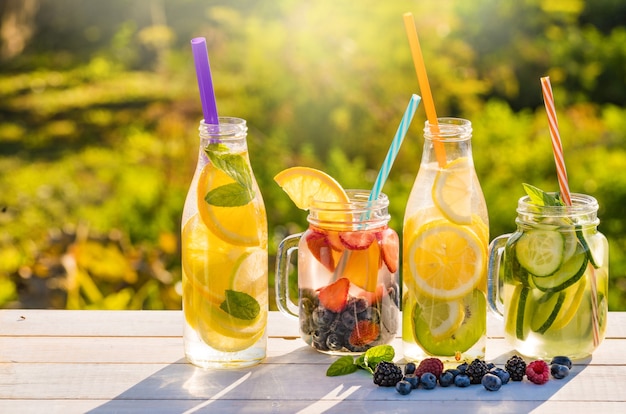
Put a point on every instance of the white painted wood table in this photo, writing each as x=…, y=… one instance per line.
x=54, y=361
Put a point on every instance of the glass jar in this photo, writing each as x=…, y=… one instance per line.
x=549, y=279
x=348, y=292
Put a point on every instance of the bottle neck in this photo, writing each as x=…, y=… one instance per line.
x=582, y=213
x=230, y=132
x=453, y=135
x=359, y=214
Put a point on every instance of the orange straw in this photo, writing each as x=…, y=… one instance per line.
x=561, y=173
x=422, y=78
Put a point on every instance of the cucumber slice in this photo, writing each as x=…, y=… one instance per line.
x=566, y=275
x=540, y=251
x=589, y=241
x=522, y=313
x=546, y=309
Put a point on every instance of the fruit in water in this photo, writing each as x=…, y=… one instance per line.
x=319, y=247
x=231, y=223
x=463, y=338
x=357, y=240
x=390, y=249
x=335, y=296
x=441, y=249
x=364, y=333
x=452, y=191
x=540, y=251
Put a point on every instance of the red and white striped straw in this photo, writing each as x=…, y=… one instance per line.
x=557, y=148
x=561, y=173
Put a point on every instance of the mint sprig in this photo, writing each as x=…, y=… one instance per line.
x=540, y=197
x=235, y=166
x=367, y=361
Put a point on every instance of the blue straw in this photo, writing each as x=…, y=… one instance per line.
x=383, y=173
x=205, y=82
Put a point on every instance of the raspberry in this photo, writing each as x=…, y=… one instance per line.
x=432, y=365
x=538, y=372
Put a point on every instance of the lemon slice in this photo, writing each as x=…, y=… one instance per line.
x=227, y=333
x=446, y=261
x=303, y=185
x=206, y=259
x=250, y=275
x=452, y=191
x=442, y=317
x=233, y=224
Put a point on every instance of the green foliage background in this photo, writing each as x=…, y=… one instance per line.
x=99, y=115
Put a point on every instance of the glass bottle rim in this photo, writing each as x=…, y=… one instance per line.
x=228, y=128
x=581, y=204
x=359, y=210
x=450, y=129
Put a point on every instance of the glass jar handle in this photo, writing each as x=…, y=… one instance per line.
x=281, y=280
x=496, y=248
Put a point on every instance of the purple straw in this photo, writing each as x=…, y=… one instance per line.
x=205, y=83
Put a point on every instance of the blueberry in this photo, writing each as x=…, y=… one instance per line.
x=502, y=374
x=491, y=366
x=409, y=368
x=446, y=379
x=453, y=371
x=334, y=342
x=491, y=382
x=412, y=379
x=348, y=319
x=403, y=387
x=462, y=368
x=462, y=381
x=562, y=360
x=322, y=316
x=428, y=380
x=559, y=371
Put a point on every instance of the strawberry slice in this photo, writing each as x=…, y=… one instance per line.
x=357, y=240
x=335, y=296
x=364, y=333
x=390, y=249
x=320, y=248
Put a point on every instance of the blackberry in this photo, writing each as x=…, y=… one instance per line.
x=476, y=371
x=387, y=374
x=516, y=366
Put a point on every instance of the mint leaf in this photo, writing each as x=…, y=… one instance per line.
x=229, y=195
x=540, y=197
x=234, y=165
x=240, y=305
x=377, y=354
x=342, y=366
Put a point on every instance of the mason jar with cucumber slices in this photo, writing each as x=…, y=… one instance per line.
x=549, y=279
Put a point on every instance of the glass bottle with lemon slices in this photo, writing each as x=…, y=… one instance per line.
x=224, y=253
x=446, y=234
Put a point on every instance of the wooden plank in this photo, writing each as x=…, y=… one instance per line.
x=170, y=350
x=275, y=382
x=406, y=406
x=38, y=322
